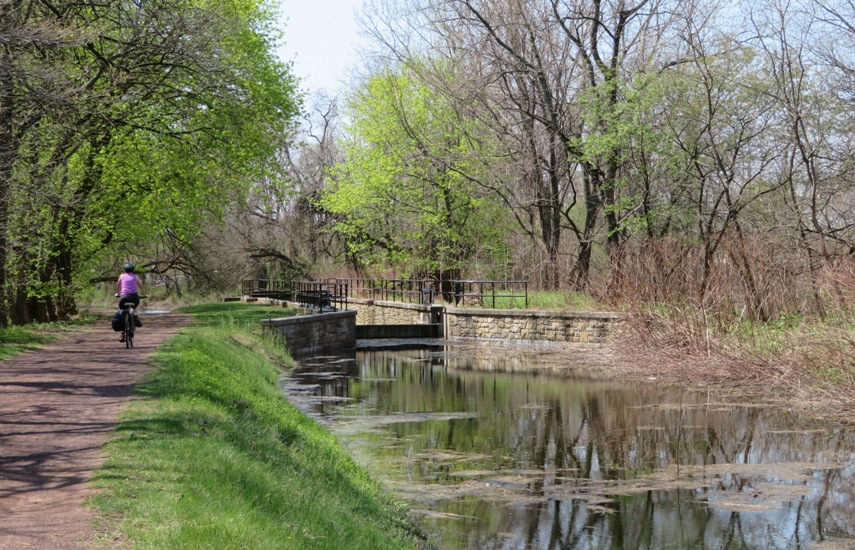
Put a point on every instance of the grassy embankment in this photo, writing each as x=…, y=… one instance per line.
x=213, y=456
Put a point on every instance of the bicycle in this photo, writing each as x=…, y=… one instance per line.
x=129, y=323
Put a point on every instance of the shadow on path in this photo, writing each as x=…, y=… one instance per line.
x=58, y=406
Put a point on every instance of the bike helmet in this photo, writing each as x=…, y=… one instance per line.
x=129, y=266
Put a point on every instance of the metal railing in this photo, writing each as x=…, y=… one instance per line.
x=424, y=291
x=486, y=293
x=321, y=295
x=267, y=288
x=413, y=291
x=336, y=291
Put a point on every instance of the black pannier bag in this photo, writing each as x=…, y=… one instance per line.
x=118, y=321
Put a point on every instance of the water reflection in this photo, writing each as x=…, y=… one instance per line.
x=498, y=456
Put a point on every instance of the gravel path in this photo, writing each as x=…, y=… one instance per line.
x=58, y=406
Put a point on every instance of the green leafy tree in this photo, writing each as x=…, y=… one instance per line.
x=402, y=199
x=166, y=114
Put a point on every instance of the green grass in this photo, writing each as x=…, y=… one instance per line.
x=237, y=315
x=15, y=340
x=575, y=301
x=213, y=456
x=19, y=339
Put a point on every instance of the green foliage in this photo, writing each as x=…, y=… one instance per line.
x=18, y=339
x=765, y=337
x=623, y=121
x=402, y=198
x=167, y=113
x=616, y=124
x=15, y=340
x=213, y=456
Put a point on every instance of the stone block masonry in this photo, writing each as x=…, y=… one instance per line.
x=305, y=335
x=377, y=312
x=508, y=325
x=512, y=324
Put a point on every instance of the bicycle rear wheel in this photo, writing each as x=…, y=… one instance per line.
x=129, y=330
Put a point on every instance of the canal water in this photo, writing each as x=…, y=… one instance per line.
x=496, y=451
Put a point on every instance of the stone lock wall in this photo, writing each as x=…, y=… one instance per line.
x=373, y=312
x=309, y=334
x=328, y=331
x=510, y=324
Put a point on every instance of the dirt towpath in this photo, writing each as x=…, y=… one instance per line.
x=58, y=406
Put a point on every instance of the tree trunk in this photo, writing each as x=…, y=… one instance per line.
x=551, y=237
x=65, y=306
x=752, y=289
x=582, y=269
x=8, y=150
x=446, y=278
x=23, y=311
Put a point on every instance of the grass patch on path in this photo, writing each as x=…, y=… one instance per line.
x=15, y=340
x=213, y=456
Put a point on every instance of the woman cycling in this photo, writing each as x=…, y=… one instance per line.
x=129, y=287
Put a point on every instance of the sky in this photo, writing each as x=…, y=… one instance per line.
x=321, y=37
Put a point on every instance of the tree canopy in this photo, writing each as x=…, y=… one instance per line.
x=120, y=121
x=404, y=197
x=652, y=150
